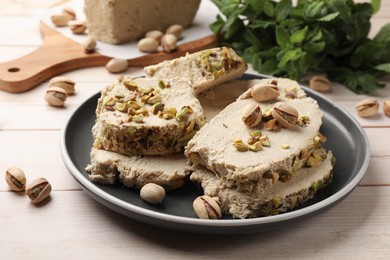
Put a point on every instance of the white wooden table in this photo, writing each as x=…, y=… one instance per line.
x=71, y=225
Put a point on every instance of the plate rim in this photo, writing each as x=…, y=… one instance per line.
x=166, y=217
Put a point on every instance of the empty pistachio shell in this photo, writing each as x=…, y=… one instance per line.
x=264, y=92
x=55, y=96
x=168, y=42
x=69, y=11
x=206, y=207
x=60, y=20
x=367, y=107
x=77, y=27
x=386, y=107
x=285, y=114
x=148, y=45
x=38, y=190
x=65, y=83
x=152, y=193
x=176, y=30
x=157, y=35
x=319, y=83
x=252, y=115
x=15, y=179
x=116, y=65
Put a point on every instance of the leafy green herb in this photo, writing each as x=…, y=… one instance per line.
x=325, y=36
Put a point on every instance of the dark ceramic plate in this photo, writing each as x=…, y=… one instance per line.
x=346, y=139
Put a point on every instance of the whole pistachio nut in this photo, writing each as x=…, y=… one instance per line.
x=367, y=107
x=176, y=30
x=55, y=96
x=60, y=20
x=63, y=82
x=285, y=114
x=155, y=34
x=117, y=65
x=168, y=42
x=252, y=115
x=319, y=83
x=264, y=92
x=78, y=27
x=386, y=107
x=148, y=45
x=15, y=178
x=206, y=207
x=152, y=193
x=38, y=190
x=89, y=44
x=69, y=11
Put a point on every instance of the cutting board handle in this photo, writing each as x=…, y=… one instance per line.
x=59, y=54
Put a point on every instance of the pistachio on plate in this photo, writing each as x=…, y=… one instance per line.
x=206, y=207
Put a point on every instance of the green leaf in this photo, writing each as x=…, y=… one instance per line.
x=384, y=34
x=383, y=67
x=282, y=37
x=376, y=4
x=251, y=37
x=298, y=36
x=270, y=67
x=290, y=55
x=314, y=47
x=283, y=9
x=218, y=25
x=313, y=9
x=257, y=5
x=261, y=24
x=328, y=17
x=269, y=8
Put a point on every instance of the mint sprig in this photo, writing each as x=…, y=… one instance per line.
x=324, y=36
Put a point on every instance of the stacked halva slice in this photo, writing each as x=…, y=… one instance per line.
x=143, y=124
x=251, y=181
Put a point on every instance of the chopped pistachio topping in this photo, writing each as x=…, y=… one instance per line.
x=239, y=145
x=285, y=146
x=303, y=121
x=256, y=147
x=138, y=118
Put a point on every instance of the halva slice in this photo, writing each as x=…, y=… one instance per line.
x=246, y=157
x=139, y=116
x=280, y=198
x=136, y=171
x=203, y=69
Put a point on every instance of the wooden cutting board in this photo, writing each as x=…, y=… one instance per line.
x=59, y=54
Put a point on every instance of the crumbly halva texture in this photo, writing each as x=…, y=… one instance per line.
x=119, y=21
x=280, y=198
x=138, y=116
x=203, y=70
x=135, y=171
x=212, y=146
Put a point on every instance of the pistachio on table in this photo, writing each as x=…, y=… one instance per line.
x=367, y=107
x=116, y=65
x=176, y=30
x=38, y=190
x=55, y=96
x=65, y=83
x=319, y=83
x=152, y=193
x=386, y=107
x=252, y=115
x=77, y=27
x=168, y=42
x=264, y=92
x=15, y=178
x=285, y=114
x=156, y=34
x=148, y=45
x=60, y=20
x=206, y=207
x=69, y=11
